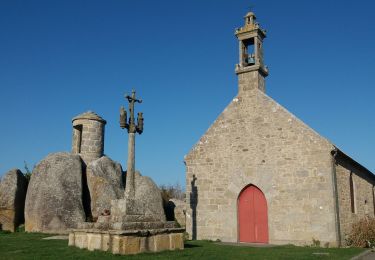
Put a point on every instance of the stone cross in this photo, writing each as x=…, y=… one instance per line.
x=132, y=130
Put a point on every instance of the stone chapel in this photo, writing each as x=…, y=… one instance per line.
x=261, y=175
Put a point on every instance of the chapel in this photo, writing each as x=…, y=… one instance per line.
x=261, y=175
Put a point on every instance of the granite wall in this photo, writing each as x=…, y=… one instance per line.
x=256, y=141
x=361, y=195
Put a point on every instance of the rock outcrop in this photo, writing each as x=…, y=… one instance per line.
x=54, y=196
x=178, y=210
x=148, y=194
x=144, y=209
x=104, y=181
x=13, y=188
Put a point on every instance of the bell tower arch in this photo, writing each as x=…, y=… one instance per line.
x=251, y=70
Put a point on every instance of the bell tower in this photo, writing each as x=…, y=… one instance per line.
x=251, y=70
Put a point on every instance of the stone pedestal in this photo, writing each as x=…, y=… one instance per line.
x=133, y=210
x=126, y=242
x=128, y=230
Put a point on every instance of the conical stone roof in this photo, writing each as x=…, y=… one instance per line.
x=90, y=115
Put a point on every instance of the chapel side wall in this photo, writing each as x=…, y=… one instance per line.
x=363, y=190
x=256, y=141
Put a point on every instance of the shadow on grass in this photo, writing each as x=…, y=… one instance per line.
x=191, y=246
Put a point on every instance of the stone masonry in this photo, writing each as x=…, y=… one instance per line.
x=362, y=194
x=88, y=136
x=256, y=141
x=128, y=242
x=251, y=80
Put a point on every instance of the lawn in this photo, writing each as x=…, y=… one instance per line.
x=32, y=246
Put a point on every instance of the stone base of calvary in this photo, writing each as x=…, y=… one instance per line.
x=136, y=223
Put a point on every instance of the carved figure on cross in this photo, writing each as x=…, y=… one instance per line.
x=131, y=126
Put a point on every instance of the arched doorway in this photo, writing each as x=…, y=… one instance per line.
x=252, y=216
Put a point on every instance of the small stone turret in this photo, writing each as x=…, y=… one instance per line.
x=88, y=136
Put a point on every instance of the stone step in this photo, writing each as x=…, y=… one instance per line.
x=125, y=243
x=142, y=225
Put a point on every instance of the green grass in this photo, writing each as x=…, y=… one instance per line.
x=32, y=246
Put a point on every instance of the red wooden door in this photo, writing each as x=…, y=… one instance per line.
x=252, y=216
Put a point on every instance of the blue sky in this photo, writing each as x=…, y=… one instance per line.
x=61, y=58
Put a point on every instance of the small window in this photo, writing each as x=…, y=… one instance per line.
x=352, y=194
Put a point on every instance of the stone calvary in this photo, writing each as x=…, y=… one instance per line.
x=135, y=221
x=87, y=195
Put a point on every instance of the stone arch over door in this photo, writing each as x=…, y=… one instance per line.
x=252, y=215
